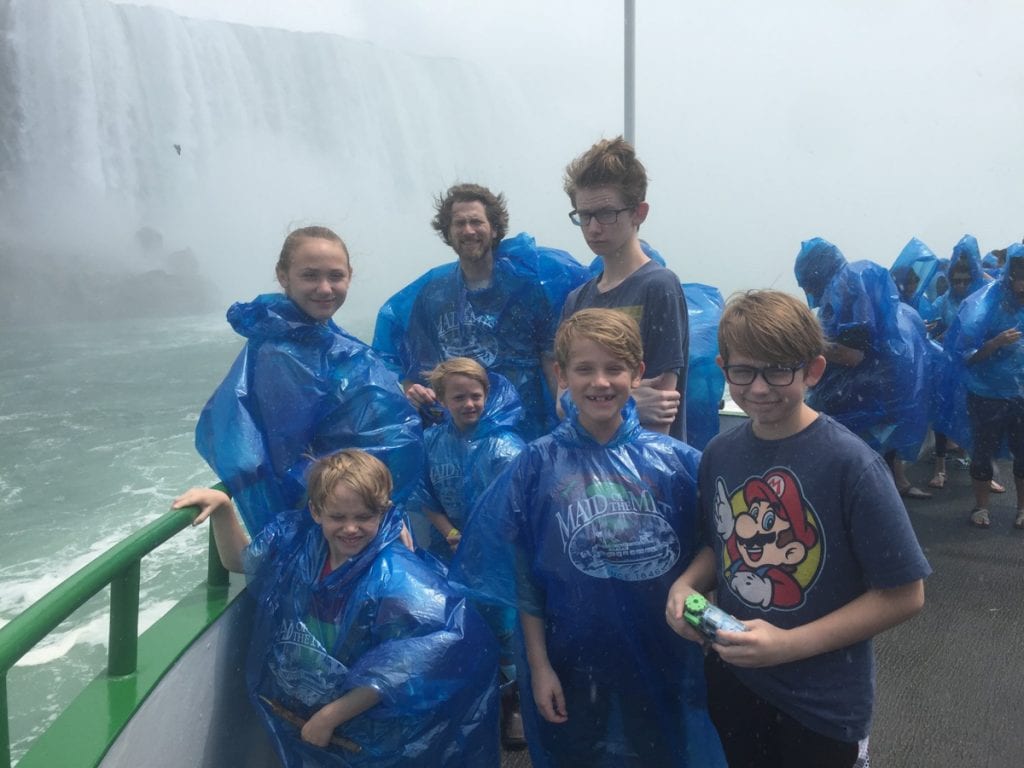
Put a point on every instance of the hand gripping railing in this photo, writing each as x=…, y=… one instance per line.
x=118, y=567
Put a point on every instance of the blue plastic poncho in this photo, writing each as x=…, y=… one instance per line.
x=990, y=263
x=945, y=307
x=385, y=619
x=507, y=327
x=949, y=403
x=886, y=398
x=459, y=466
x=590, y=537
x=301, y=387
x=705, y=382
x=914, y=272
x=984, y=315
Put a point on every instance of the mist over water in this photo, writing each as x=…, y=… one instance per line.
x=760, y=126
x=222, y=138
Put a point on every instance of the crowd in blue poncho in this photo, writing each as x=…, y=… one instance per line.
x=917, y=325
x=885, y=398
x=389, y=619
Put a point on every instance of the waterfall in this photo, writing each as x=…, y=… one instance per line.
x=222, y=137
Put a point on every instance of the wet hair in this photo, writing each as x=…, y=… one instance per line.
x=771, y=326
x=613, y=329
x=610, y=162
x=295, y=238
x=461, y=366
x=494, y=208
x=365, y=474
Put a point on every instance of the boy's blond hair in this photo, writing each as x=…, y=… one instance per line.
x=365, y=474
x=612, y=329
x=771, y=326
x=463, y=366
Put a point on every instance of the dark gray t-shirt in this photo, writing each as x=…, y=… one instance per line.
x=654, y=298
x=800, y=527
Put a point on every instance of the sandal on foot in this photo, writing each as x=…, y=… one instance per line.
x=938, y=480
x=913, y=492
x=996, y=487
x=979, y=518
x=1019, y=522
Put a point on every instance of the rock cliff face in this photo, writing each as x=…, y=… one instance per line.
x=37, y=287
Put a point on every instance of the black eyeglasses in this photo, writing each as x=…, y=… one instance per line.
x=606, y=216
x=774, y=376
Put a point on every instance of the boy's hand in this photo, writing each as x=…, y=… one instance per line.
x=319, y=729
x=674, y=607
x=420, y=396
x=763, y=645
x=406, y=538
x=548, y=695
x=724, y=520
x=207, y=499
x=656, y=407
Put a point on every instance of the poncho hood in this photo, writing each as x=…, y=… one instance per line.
x=816, y=264
x=571, y=432
x=967, y=253
x=273, y=316
x=502, y=411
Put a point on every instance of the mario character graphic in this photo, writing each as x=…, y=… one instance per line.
x=772, y=552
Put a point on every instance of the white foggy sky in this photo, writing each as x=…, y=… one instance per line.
x=761, y=124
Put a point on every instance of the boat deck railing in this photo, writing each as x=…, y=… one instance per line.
x=120, y=567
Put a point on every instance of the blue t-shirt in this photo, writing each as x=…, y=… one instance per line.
x=800, y=527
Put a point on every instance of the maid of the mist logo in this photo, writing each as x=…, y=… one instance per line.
x=772, y=549
x=614, y=531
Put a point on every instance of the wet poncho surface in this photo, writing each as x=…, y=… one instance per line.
x=590, y=537
x=885, y=399
x=297, y=387
x=461, y=465
x=984, y=315
x=508, y=327
x=384, y=619
x=705, y=382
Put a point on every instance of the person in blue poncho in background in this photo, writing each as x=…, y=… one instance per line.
x=878, y=381
x=361, y=655
x=499, y=305
x=584, y=533
x=986, y=339
x=949, y=410
x=303, y=386
x=465, y=453
x=914, y=273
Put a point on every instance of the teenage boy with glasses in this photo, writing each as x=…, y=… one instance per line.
x=811, y=548
x=607, y=186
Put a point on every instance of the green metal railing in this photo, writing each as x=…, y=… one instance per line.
x=120, y=568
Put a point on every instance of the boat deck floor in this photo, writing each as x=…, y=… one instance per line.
x=951, y=681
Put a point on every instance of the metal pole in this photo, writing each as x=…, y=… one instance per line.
x=629, y=73
x=123, y=651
